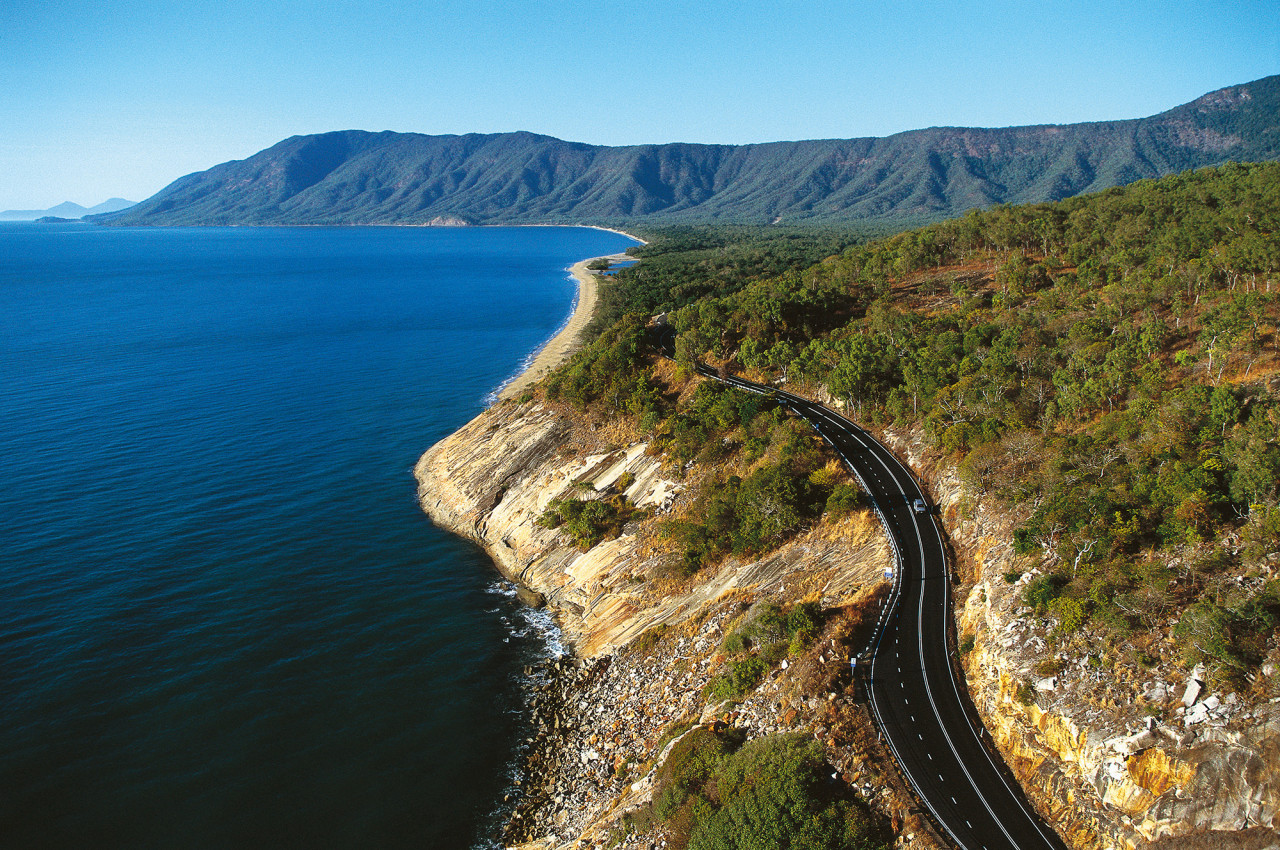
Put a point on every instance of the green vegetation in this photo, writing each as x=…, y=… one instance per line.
x=589, y=521
x=760, y=639
x=742, y=675
x=752, y=514
x=1104, y=364
x=909, y=178
x=682, y=264
x=609, y=373
x=1098, y=359
x=1230, y=627
x=770, y=794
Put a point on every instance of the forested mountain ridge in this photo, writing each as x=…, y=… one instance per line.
x=356, y=177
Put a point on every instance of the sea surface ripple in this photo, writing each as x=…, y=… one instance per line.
x=225, y=622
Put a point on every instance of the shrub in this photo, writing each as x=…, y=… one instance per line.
x=1042, y=590
x=775, y=793
x=844, y=499
x=1070, y=612
x=687, y=769
x=773, y=633
x=734, y=643
x=804, y=618
x=766, y=624
x=588, y=521
x=742, y=676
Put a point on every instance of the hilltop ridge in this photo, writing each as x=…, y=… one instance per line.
x=67, y=210
x=358, y=177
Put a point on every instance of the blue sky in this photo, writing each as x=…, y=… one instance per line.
x=121, y=97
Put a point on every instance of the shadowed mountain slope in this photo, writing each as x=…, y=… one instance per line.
x=356, y=177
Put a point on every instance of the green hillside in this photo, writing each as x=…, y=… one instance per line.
x=355, y=177
x=1105, y=368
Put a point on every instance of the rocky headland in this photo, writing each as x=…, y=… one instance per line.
x=1114, y=752
x=645, y=645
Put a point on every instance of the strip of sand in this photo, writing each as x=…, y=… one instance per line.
x=562, y=345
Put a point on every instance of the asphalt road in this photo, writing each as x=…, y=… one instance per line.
x=912, y=686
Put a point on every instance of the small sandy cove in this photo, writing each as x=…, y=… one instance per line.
x=565, y=343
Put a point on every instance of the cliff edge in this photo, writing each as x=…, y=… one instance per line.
x=647, y=643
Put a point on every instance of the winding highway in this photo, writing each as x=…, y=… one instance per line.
x=912, y=686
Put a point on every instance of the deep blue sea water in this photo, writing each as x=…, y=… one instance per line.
x=224, y=621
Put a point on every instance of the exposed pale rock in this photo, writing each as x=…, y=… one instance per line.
x=490, y=482
x=493, y=478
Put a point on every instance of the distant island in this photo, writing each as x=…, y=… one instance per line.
x=356, y=177
x=67, y=211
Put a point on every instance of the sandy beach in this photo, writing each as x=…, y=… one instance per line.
x=563, y=344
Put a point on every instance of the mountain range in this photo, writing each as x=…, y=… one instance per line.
x=67, y=209
x=357, y=177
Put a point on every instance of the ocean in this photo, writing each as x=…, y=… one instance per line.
x=225, y=622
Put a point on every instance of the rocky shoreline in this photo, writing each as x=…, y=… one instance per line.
x=600, y=727
x=643, y=652
x=643, y=649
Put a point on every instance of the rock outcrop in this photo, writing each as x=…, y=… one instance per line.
x=1116, y=755
x=602, y=718
x=491, y=480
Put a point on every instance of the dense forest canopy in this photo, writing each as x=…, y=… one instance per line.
x=1107, y=367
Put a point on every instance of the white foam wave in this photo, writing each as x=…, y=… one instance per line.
x=530, y=622
x=538, y=623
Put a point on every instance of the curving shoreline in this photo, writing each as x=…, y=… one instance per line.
x=558, y=349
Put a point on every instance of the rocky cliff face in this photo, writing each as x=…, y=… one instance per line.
x=492, y=479
x=1118, y=754
x=603, y=718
